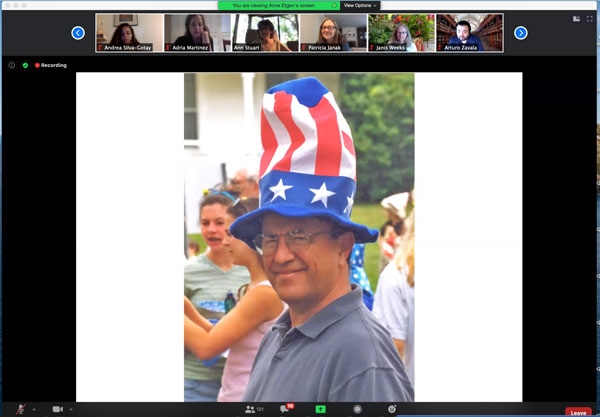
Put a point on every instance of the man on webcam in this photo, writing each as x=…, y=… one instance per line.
x=464, y=40
x=327, y=346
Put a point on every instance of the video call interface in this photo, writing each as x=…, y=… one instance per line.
x=119, y=119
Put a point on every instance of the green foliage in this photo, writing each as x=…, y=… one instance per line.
x=288, y=28
x=373, y=216
x=381, y=26
x=380, y=111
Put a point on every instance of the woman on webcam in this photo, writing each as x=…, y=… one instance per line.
x=329, y=33
x=401, y=36
x=124, y=35
x=269, y=39
x=196, y=32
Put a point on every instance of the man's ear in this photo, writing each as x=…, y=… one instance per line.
x=346, y=243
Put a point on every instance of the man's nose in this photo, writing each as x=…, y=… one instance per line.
x=282, y=253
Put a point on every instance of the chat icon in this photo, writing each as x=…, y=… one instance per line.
x=283, y=408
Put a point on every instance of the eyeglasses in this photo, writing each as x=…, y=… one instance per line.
x=402, y=33
x=296, y=240
x=327, y=27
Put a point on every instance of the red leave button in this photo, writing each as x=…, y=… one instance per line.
x=578, y=411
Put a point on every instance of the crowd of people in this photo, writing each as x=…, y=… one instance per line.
x=393, y=304
x=292, y=260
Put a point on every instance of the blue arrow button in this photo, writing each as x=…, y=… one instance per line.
x=521, y=32
x=77, y=33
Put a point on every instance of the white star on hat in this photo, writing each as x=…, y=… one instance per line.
x=348, y=208
x=279, y=189
x=321, y=194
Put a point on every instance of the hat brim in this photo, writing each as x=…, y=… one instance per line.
x=248, y=226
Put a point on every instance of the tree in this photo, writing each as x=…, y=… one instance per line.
x=379, y=108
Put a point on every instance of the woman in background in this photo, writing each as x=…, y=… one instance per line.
x=393, y=230
x=206, y=284
x=124, y=35
x=242, y=329
x=394, y=304
x=329, y=33
x=196, y=32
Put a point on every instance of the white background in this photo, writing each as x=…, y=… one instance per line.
x=468, y=181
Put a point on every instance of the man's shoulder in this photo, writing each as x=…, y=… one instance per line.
x=360, y=335
x=362, y=329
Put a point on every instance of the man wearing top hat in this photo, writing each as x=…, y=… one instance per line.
x=327, y=347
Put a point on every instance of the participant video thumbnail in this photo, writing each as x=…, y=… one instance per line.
x=470, y=32
x=265, y=32
x=197, y=33
x=401, y=32
x=129, y=32
x=333, y=32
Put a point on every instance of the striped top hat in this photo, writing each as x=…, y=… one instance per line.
x=308, y=166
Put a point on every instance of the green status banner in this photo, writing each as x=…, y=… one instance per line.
x=279, y=6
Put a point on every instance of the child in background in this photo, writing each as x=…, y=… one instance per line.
x=193, y=251
x=241, y=329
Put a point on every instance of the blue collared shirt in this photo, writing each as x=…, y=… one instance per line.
x=341, y=354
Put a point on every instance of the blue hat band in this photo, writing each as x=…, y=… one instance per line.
x=333, y=194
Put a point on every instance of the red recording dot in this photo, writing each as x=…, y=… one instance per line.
x=37, y=65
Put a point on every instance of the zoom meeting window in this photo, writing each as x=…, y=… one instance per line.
x=118, y=120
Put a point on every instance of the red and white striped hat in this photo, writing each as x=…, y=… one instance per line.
x=308, y=166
